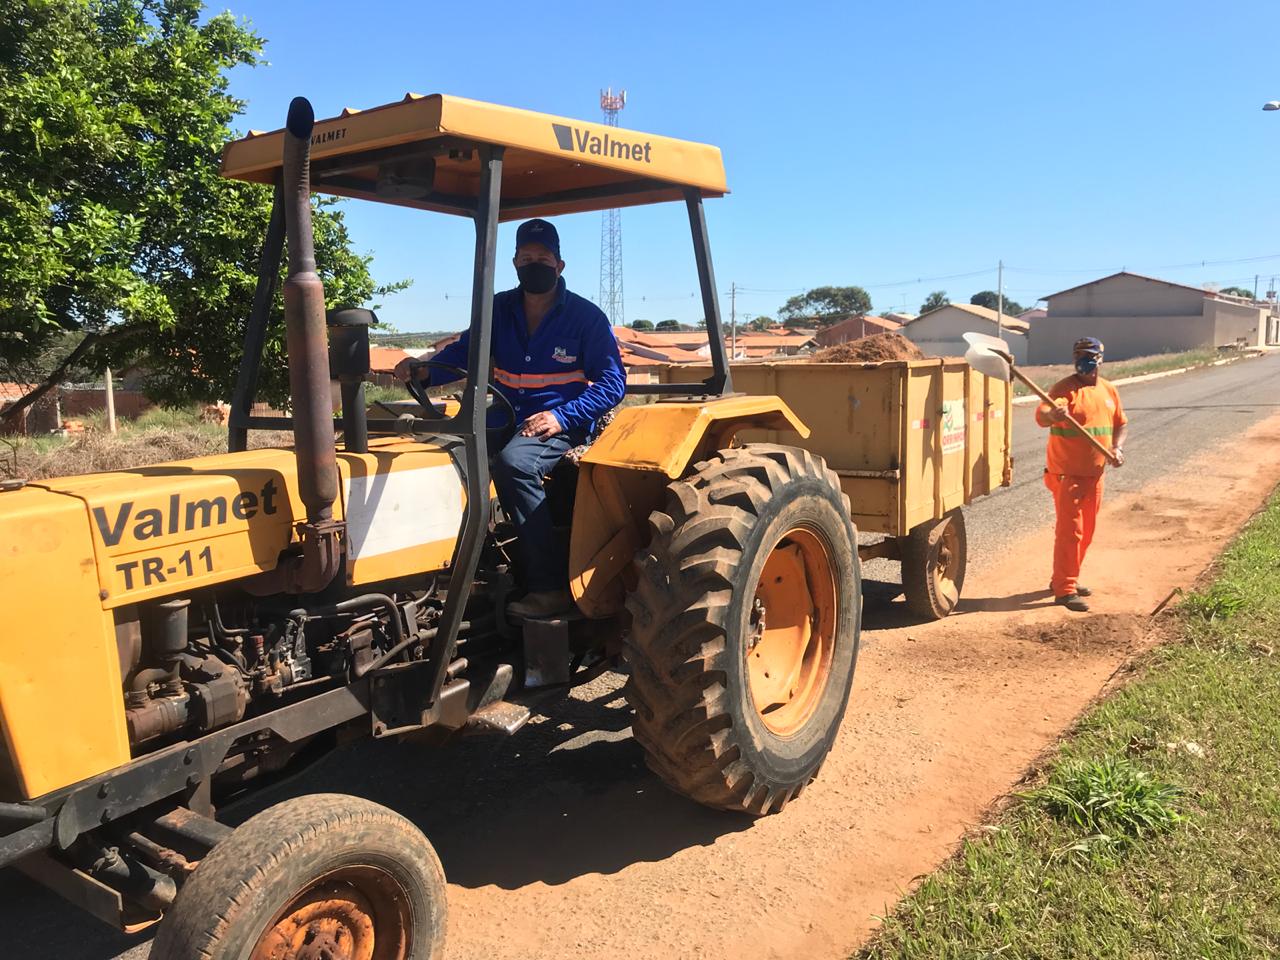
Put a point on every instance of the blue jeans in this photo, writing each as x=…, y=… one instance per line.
x=518, y=470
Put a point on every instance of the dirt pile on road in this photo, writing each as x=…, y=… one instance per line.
x=1113, y=632
x=873, y=349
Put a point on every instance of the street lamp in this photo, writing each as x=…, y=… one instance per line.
x=1272, y=105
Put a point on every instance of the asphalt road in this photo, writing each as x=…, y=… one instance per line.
x=584, y=747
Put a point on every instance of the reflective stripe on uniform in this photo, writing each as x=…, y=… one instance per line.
x=530, y=380
x=1069, y=431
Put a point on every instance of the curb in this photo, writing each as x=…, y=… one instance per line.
x=1152, y=376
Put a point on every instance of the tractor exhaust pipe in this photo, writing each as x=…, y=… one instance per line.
x=308, y=348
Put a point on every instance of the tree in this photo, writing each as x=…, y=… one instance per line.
x=668, y=325
x=761, y=323
x=990, y=299
x=935, y=300
x=641, y=324
x=826, y=305
x=1237, y=292
x=115, y=225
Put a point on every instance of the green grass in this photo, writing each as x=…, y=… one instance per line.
x=376, y=393
x=1047, y=376
x=159, y=434
x=1155, y=832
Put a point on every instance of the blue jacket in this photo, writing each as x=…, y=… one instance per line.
x=570, y=366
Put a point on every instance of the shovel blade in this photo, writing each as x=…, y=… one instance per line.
x=988, y=355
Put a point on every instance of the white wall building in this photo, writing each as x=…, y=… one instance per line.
x=938, y=333
x=1136, y=316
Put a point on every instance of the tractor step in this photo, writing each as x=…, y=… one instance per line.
x=498, y=717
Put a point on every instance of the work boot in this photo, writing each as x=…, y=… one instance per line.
x=541, y=604
x=1081, y=590
x=1073, y=601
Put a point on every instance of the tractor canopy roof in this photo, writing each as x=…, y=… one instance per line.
x=424, y=152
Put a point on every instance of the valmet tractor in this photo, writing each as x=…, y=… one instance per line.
x=176, y=635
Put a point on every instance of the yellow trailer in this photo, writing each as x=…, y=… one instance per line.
x=912, y=442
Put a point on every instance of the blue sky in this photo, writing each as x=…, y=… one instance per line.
x=865, y=143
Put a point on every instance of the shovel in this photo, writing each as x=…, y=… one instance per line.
x=991, y=356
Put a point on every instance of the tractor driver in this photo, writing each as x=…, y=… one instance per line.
x=556, y=360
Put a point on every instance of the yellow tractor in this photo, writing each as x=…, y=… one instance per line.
x=177, y=635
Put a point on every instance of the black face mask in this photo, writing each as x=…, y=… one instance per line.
x=1087, y=366
x=536, y=277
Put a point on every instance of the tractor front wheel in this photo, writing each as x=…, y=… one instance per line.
x=320, y=877
x=744, y=630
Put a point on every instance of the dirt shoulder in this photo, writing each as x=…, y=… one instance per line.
x=944, y=720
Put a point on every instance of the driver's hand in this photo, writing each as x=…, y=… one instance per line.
x=541, y=425
x=404, y=369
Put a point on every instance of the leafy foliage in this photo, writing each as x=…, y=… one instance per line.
x=1237, y=292
x=668, y=325
x=641, y=324
x=1219, y=602
x=826, y=305
x=114, y=220
x=761, y=323
x=1110, y=800
x=935, y=300
x=991, y=300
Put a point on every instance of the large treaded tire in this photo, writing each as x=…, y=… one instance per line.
x=688, y=645
x=934, y=557
x=239, y=891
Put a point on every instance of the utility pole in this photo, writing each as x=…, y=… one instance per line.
x=733, y=320
x=111, y=404
x=1255, y=288
x=1000, y=300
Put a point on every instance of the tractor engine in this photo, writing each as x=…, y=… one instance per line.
x=193, y=665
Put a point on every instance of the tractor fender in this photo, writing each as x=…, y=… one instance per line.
x=666, y=437
x=624, y=476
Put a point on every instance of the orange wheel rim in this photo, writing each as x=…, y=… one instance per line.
x=946, y=565
x=791, y=631
x=356, y=913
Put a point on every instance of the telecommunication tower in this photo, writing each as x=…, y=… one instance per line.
x=611, y=229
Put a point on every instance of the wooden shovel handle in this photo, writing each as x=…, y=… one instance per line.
x=1111, y=457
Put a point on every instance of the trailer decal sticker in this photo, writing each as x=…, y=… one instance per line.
x=952, y=426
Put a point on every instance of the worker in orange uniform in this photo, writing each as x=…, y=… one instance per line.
x=1074, y=466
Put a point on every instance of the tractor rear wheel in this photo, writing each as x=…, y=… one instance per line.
x=320, y=877
x=745, y=626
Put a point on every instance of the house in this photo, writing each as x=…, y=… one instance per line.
x=854, y=328
x=899, y=318
x=939, y=333
x=758, y=346
x=1136, y=316
x=43, y=416
x=382, y=364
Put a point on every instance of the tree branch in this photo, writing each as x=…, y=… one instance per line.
x=12, y=418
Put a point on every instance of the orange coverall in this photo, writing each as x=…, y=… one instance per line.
x=1073, y=470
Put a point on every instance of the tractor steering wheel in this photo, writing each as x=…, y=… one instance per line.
x=418, y=391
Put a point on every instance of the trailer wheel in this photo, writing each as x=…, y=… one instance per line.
x=744, y=631
x=934, y=556
x=321, y=877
